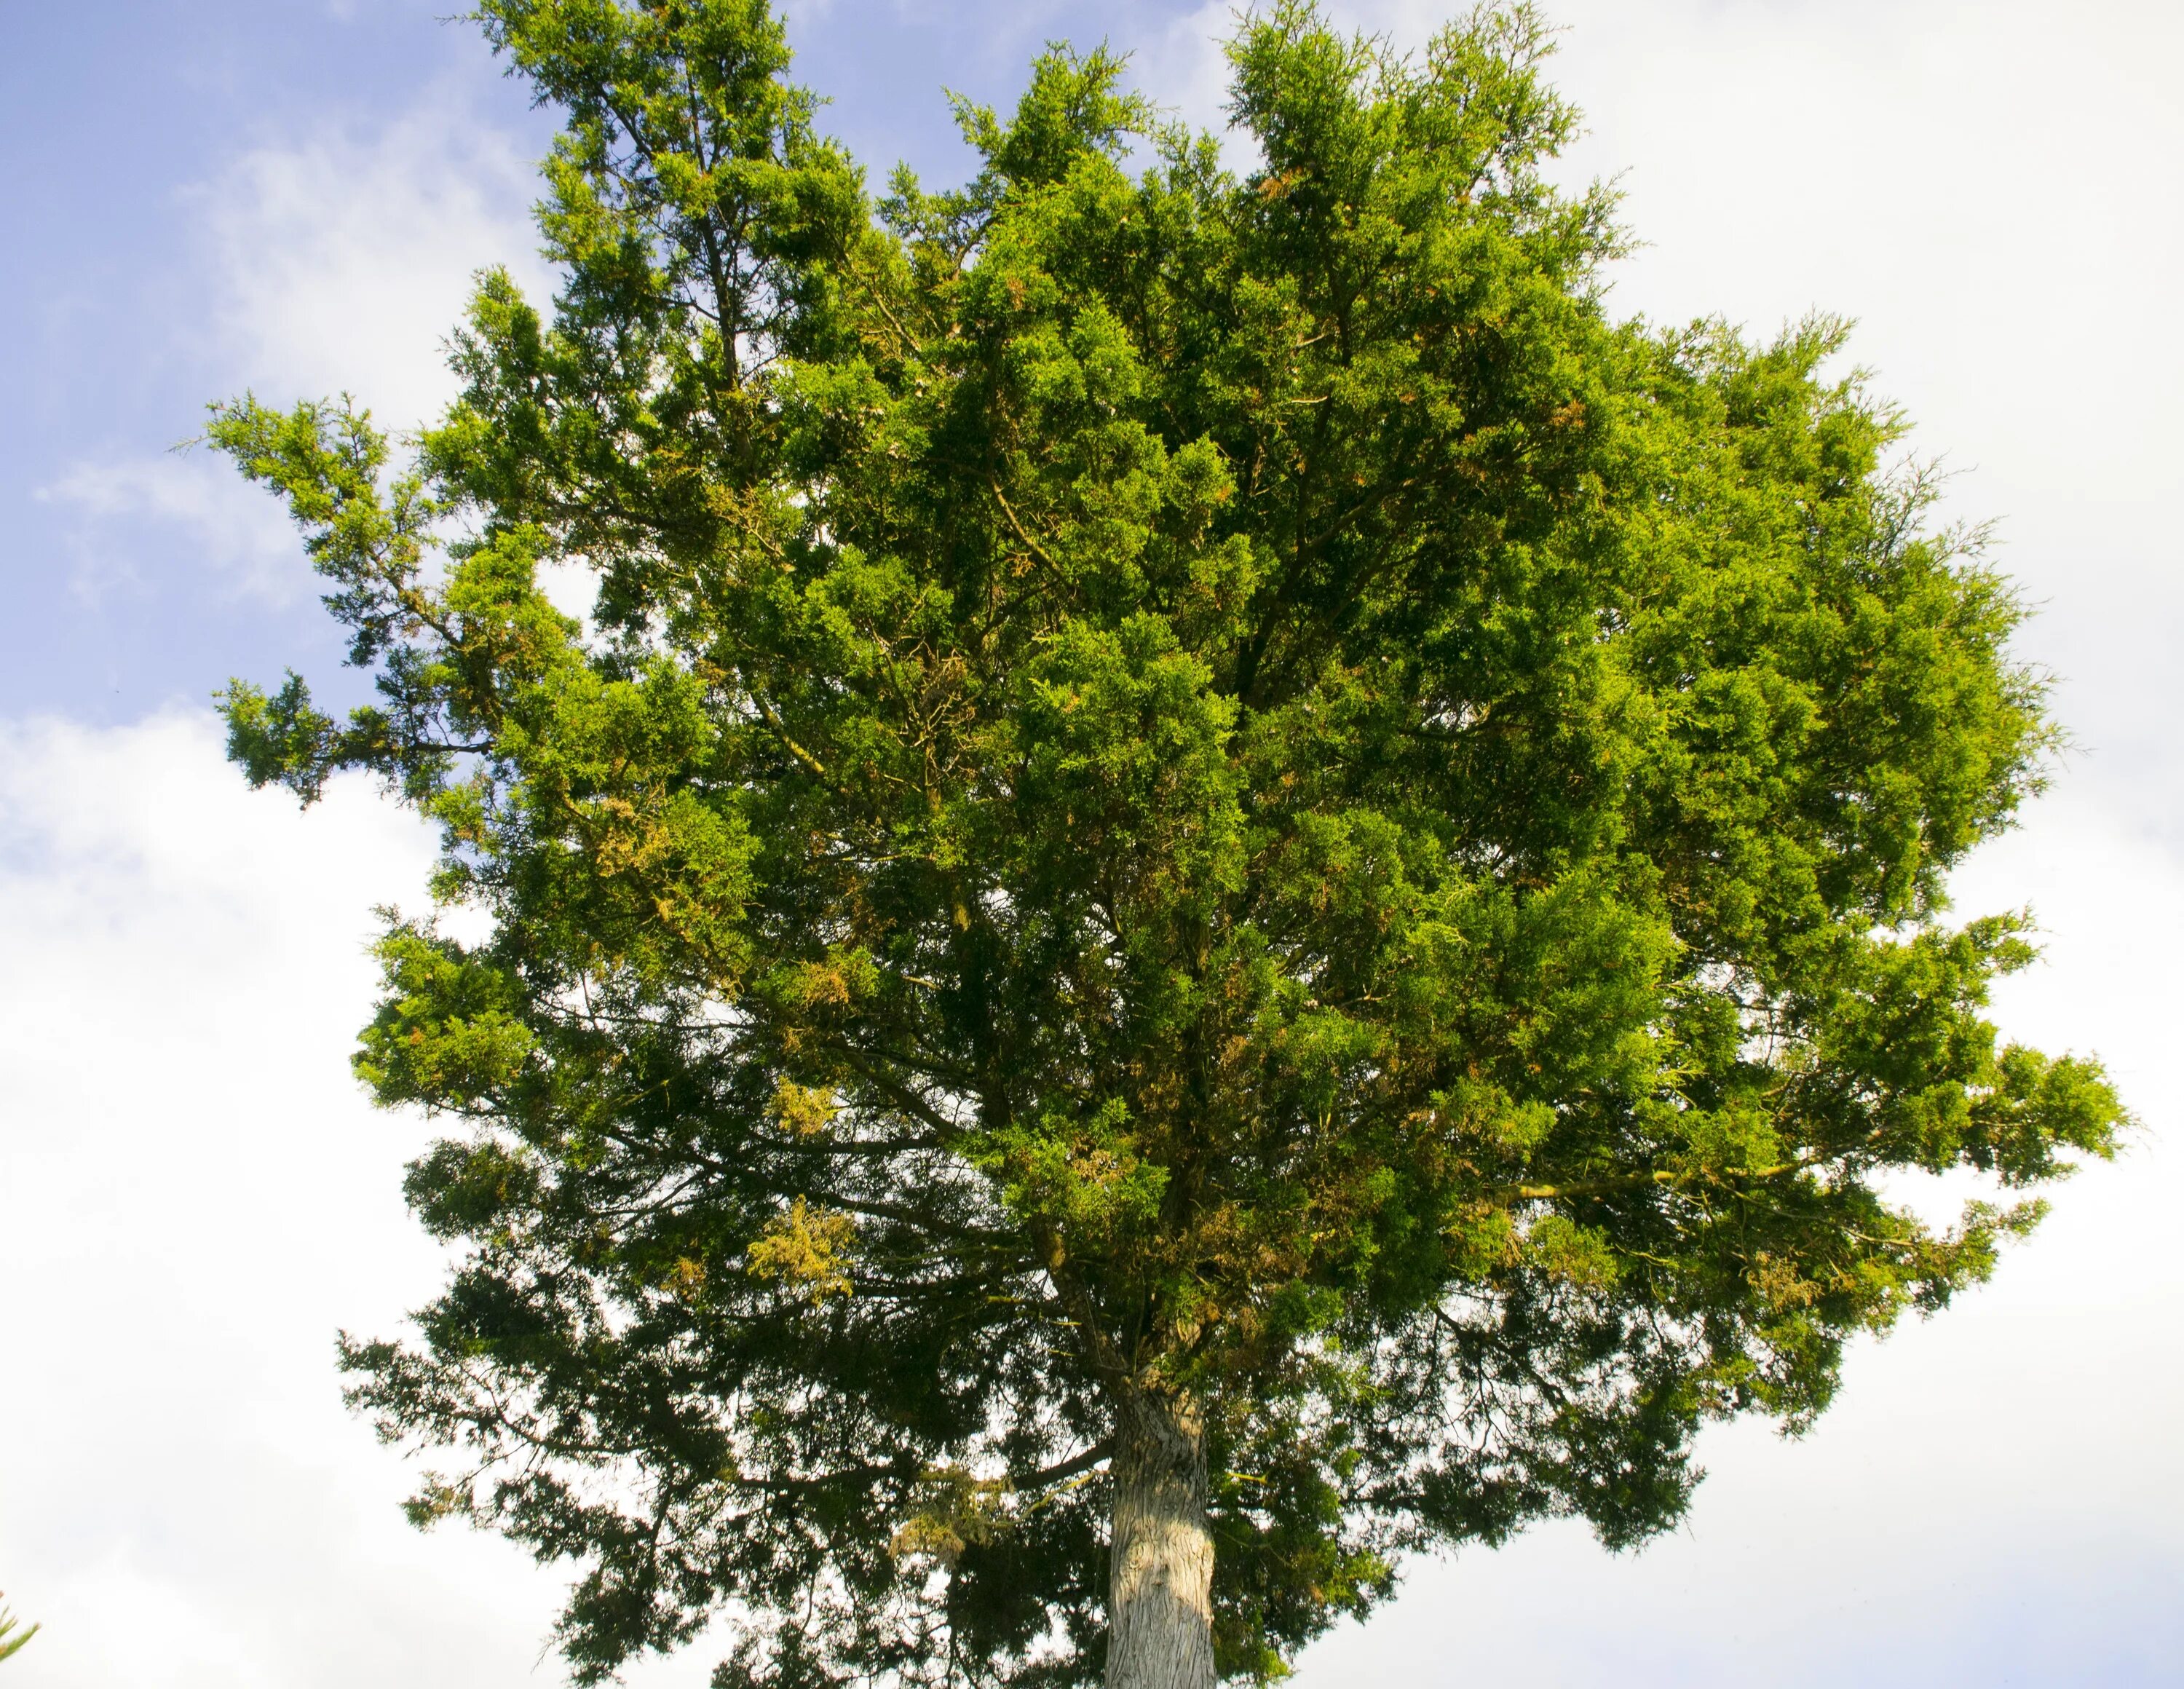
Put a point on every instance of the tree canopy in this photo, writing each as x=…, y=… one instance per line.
x=1219, y=874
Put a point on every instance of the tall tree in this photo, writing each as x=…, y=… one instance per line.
x=1222, y=888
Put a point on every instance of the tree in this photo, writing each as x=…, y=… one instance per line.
x=1223, y=888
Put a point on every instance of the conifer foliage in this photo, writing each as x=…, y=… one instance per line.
x=12, y=1639
x=1223, y=888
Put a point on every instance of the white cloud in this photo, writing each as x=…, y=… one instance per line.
x=336, y=260
x=1186, y=72
x=195, y=1196
x=571, y=586
x=340, y=259
x=196, y=504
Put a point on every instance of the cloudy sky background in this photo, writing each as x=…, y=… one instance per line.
x=290, y=197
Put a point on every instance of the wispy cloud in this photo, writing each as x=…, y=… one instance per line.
x=335, y=260
x=339, y=260
x=186, y=511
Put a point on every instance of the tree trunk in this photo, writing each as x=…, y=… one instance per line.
x=1160, y=1590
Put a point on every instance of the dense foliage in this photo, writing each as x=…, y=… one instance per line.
x=1186, y=786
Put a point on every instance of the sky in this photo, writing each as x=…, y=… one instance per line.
x=289, y=198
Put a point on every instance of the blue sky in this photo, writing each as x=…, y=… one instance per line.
x=290, y=196
x=162, y=150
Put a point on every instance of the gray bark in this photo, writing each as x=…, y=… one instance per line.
x=1159, y=1590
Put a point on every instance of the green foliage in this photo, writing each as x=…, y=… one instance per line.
x=1179, y=784
x=11, y=1639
